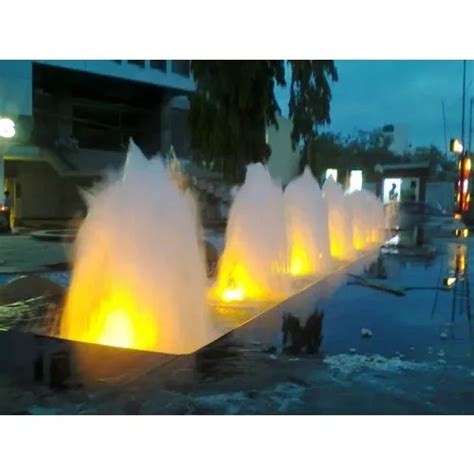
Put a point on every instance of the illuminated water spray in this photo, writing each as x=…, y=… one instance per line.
x=139, y=278
x=340, y=221
x=254, y=265
x=307, y=225
x=367, y=219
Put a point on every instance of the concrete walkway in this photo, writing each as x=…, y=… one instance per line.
x=23, y=253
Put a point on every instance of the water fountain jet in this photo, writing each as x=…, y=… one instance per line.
x=367, y=219
x=307, y=225
x=139, y=277
x=253, y=265
x=340, y=221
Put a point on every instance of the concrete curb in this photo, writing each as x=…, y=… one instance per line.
x=54, y=235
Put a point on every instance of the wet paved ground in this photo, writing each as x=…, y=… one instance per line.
x=419, y=360
x=21, y=251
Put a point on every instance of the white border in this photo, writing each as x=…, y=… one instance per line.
x=187, y=29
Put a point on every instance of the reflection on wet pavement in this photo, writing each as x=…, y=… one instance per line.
x=416, y=358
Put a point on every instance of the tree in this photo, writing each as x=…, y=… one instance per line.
x=235, y=102
x=440, y=166
x=361, y=150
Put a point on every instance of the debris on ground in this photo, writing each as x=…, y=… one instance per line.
x=346, y=364
x=27, y=287
x=362, y=281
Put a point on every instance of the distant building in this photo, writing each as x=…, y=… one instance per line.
x=398, y=138
x=73, y=120
x=409, y=180
x=284, y=162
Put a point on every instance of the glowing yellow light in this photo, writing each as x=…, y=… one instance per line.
x=456, y=146
x=462, y=232
x=449, y=281
x=457, y=216
x=235, y=282
x=116, y=318
x=468, y=165
x=117, y=330
x=296, y=266
x=232, y=294
x=301, y=262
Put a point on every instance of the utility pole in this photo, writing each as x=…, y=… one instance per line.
x=463, y=100
x=470, y=125
x=444, y=129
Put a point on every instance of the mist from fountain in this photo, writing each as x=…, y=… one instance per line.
x=367, y=219
x=254, y=263
x=139, y=278
x=307, y=226
x=340, y=221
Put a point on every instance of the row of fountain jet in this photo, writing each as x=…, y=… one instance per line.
x=273, y=235
x=139, y=277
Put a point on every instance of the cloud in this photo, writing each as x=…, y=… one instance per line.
x=370, y=94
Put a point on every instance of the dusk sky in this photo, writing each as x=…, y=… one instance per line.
x=370, y=94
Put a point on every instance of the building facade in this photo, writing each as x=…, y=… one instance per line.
x=397, y=136
x=284, y=161
x=73, y=120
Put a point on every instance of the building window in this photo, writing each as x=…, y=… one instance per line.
x=181, y=67
x=158, y=64
x=137, y=62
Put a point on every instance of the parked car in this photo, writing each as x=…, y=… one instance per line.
x=407, y=215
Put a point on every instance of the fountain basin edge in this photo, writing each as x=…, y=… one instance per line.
x=28, y=358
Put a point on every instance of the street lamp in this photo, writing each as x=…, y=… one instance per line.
x=7, y=131
x=7, y=127
x=456, y=146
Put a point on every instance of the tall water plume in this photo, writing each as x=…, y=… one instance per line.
x=254, y=265
x=139, y=277
x=307, y=226
x=340, y=221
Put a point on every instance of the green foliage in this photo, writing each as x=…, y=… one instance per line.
x=310, y=98
x=235, y=102
x=364, y=150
